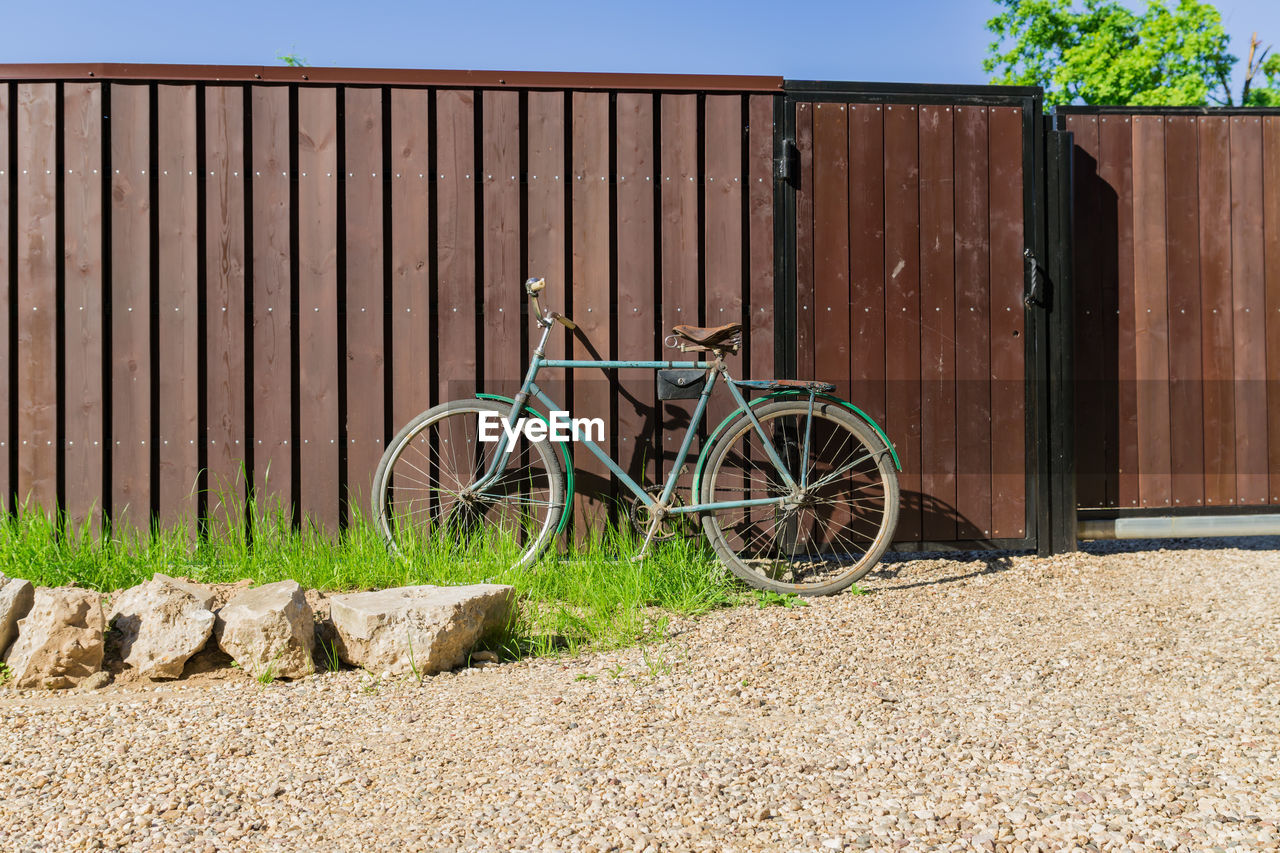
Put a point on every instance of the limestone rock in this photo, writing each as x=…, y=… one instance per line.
x=432, y=628
x=16, y=597
x=162, y=623
x=59, y=641
x=269, y=630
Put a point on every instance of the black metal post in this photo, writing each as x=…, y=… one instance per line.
x=1059, y=262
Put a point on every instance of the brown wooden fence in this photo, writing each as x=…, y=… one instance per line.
x=266, y=271
x=1177, y=294
x=911, y=226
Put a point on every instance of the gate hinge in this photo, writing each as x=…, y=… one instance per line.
x=783, y=167
x=1034, y=297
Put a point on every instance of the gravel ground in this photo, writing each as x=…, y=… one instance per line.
x=1108, y=701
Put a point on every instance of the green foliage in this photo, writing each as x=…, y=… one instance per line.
x=1101, y=52
x=293, y=60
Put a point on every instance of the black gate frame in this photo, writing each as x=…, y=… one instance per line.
x=1046, y=169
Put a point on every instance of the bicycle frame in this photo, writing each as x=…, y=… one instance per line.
x=529, y=389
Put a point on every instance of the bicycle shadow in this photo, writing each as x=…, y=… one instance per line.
x=929, y=512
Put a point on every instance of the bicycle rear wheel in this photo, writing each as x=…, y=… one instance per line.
x=821, y=539
x=424, y=494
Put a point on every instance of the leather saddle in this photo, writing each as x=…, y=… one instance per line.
x=727, y=337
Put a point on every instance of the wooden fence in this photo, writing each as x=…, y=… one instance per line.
x=911, y=225
x=221, y=275
x=1177, y=317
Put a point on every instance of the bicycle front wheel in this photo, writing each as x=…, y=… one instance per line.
x=815, y=540
x=427, y=490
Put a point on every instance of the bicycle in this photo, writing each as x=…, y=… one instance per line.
x=797, y=490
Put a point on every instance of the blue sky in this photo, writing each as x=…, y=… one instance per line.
x=885, y=40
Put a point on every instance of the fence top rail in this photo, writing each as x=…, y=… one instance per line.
x=1162, y=110
x=384, y=77
x=907, y=90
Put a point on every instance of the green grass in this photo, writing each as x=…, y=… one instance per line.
x=590, y=597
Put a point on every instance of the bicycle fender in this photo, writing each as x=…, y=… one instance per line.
x=831, y=398
x=568, y=462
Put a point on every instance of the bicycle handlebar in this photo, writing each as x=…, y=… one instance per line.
x=533, y=287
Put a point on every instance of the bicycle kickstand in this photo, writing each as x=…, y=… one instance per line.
x=654, y=523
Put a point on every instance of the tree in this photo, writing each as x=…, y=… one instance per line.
x=1101, y=52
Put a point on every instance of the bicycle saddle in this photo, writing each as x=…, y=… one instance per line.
x=727, y=336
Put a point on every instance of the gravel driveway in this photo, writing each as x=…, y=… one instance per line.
x=1101, y=701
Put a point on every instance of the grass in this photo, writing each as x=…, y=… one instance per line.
x=592, y=597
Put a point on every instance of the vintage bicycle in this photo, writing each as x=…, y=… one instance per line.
x=797, y=490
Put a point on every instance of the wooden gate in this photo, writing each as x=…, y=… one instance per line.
x=913, y=209
x=1177, y=344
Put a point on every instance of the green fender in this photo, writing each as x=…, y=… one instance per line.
x=568, y=462
x=711, y=439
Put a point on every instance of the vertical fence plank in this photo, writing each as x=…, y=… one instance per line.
x=1092, y=344
x=1217, y=355
x=82, y=302
x=546, y=213
x=805, y=224
x=637, y=282
x=830, y=194
x=1249, y=303
x=973, y=324
x=591, y=298
x=318, y=357
x=130, y=306
x=37, y=391
x=680, y=261
x=364, y=294
x=225, y=265
x=1115, y=140
x=938, y=321
x=178, y=306
x=866, y=257
x=1182, y=223
x=6, y=294
x=723, y=237
x=829, y=300
x=1151, y=315
x=1271, y=262
x=504, y=358
x=760, y=235
x=1008, y=364
x=456, y=240
x=411, y=322
x=272, y=288
x=902, y=307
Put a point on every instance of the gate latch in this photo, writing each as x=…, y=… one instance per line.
x=1034, y=297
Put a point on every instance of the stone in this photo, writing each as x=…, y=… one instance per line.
x=59, y=640
x=16, y=597
x=162, y=623
x=269, y=631
x=427, y=628
x=97, y=681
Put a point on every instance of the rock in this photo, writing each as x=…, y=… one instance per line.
x=16, y=597
x=268, y=631
x=162, y=623
x=97, y=681
x=430, y=628
x=59, y=640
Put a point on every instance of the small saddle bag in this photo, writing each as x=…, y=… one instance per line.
x=681, y=383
